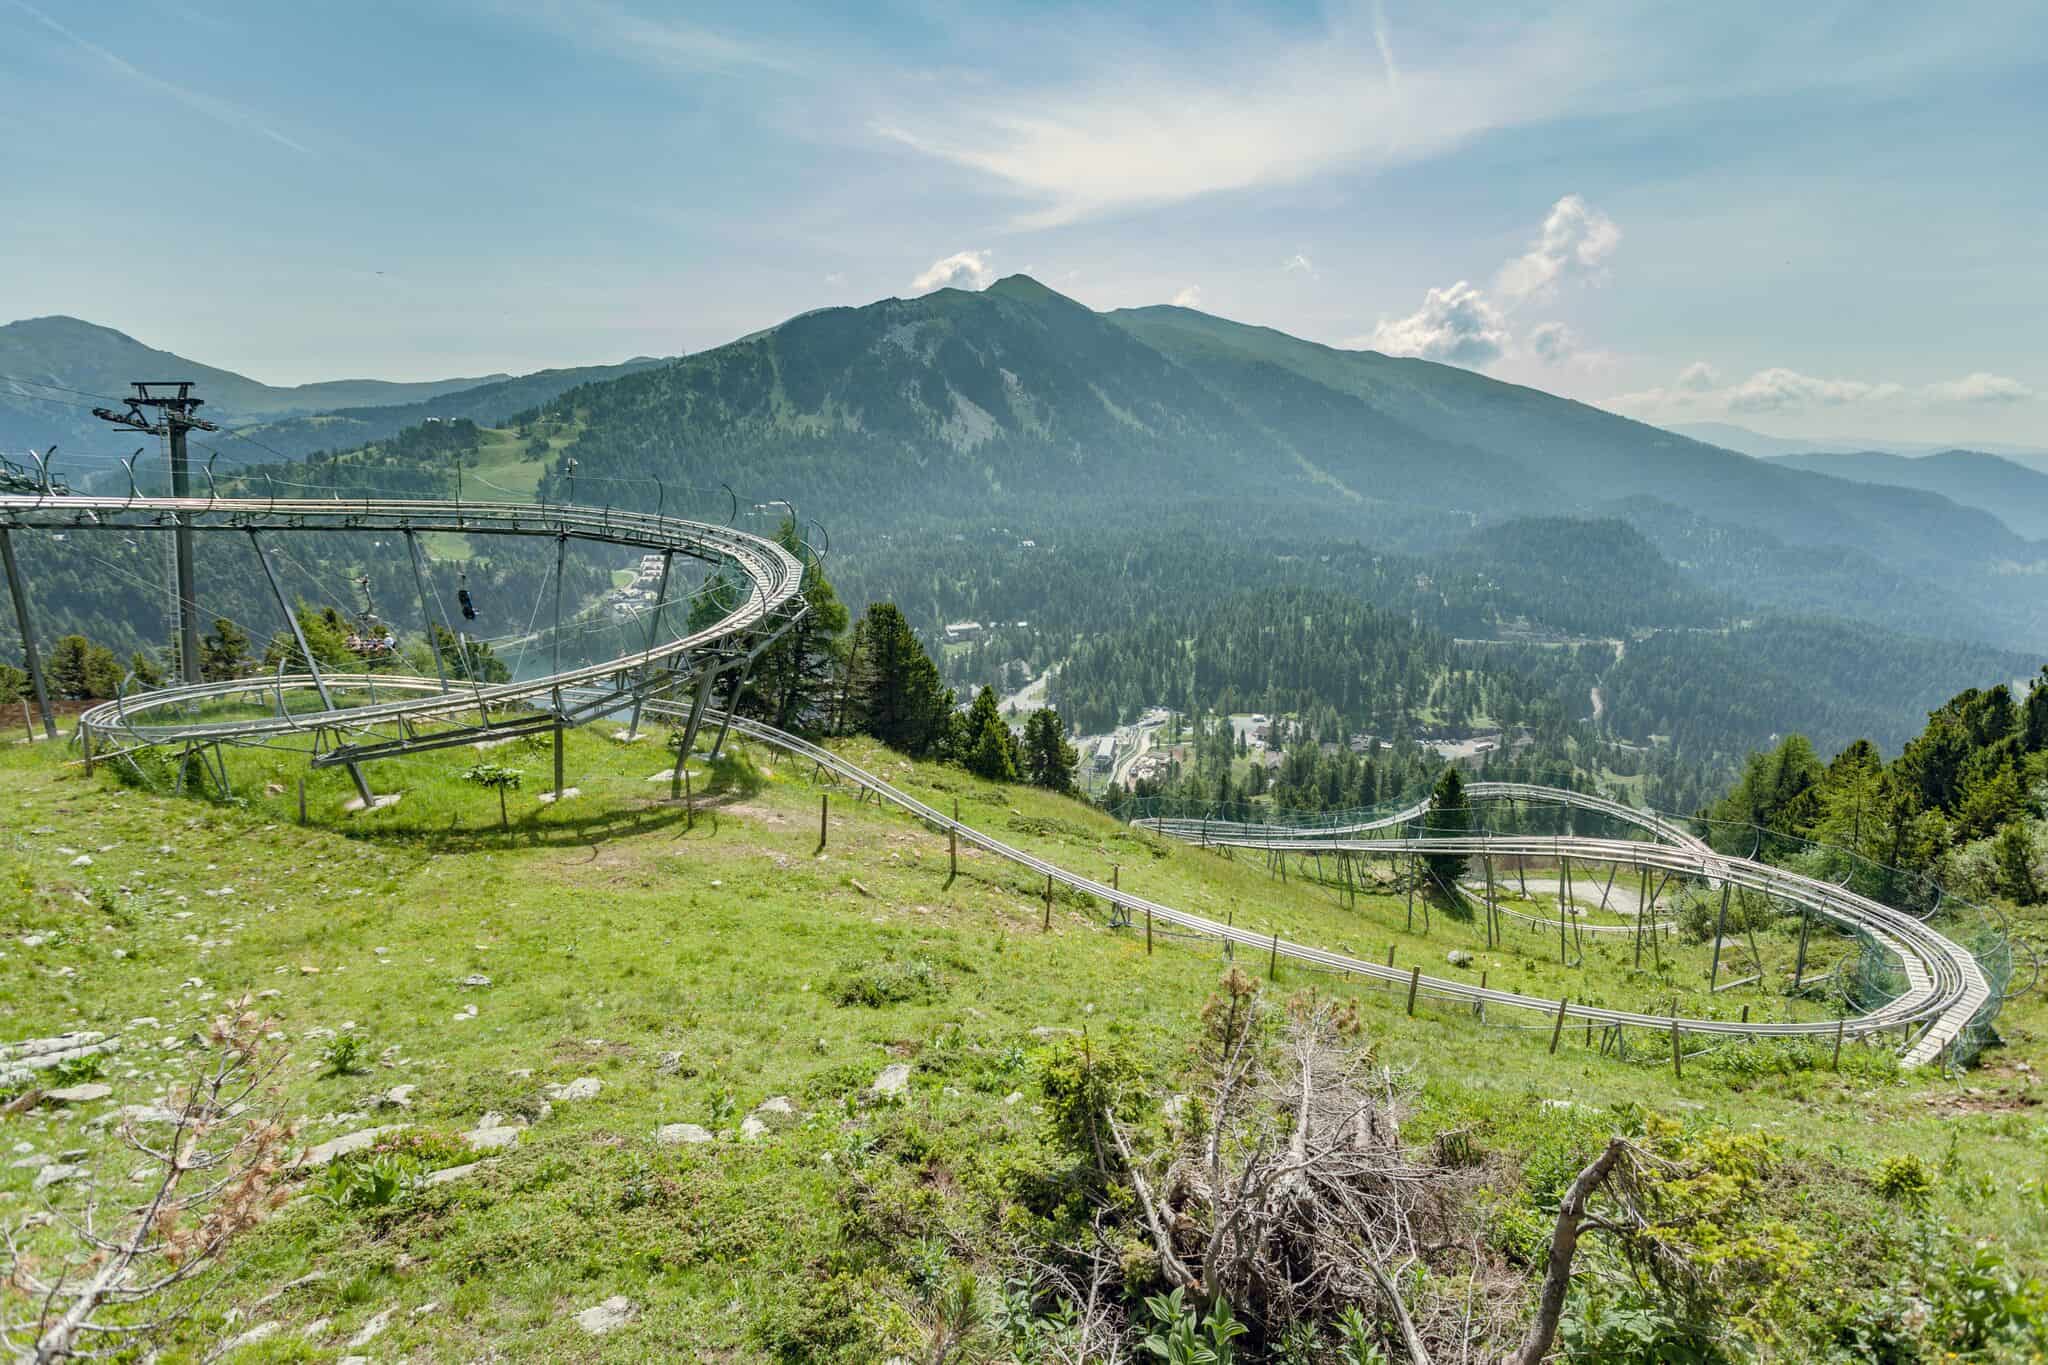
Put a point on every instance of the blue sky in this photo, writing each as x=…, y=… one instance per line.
x=1809, y=219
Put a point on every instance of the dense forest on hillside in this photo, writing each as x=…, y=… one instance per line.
x=1962, y=803
x=1288, y=651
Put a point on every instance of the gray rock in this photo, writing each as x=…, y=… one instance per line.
x=261, y=1332
x=614, y=1313
x=490, y=1139
x=677, y=1134
x=134, y=1113
x=477, y=979
x=397, y=1097
x=751, y=1129
x=1458, y=957
x=892, y=1081
x=56, y=1173
x=449, y=1174
x=348, y=1144
x=582, y=1088
x=88, y=1093
x=776, y=1109
x=372, y=1329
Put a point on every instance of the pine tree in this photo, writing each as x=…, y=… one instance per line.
x=792, y=680
x=898, y=697
x=1048, y=759
x=2013, y=854
x=67, y=669
x=1450, y=816
x=224, y=652
x=988, y=749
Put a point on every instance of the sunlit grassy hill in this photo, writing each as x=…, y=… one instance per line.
x=698, y=963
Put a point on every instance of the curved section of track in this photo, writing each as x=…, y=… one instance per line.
x=772, y=577
x=1945, y=987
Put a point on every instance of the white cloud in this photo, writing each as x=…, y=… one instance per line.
x=1299, y=262
x=1576, y=241
x=961, y=270
x=1780, y=390
x=1698, y=391
x=1553, y=342
x=1190, y=297
x=1980, y=388
x=1455, y=324
x=1156, y=126
x=1462, y=324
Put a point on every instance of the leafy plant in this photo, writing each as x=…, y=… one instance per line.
x=887, y=982
x=343, y=1055
x=373, y=1184
x=1186, y=1338
x=498, y=778
x=1360, y=1344
x=1906, y=1180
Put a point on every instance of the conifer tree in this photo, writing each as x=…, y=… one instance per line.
x=987, y=748
x=898, y=697
x=1450, y=816
x=1048, y=759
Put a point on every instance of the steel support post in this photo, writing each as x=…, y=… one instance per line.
x=18, y=589
x=739, y=685
x=188, y=594
x=653, y=627
x=419, y=583
x=291, y=617
x=696, y=719
x=1720, y=930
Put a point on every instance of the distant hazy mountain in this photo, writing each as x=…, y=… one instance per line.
x=1019, y=404
x=1731, y=437
x=54, y=370
x=2015, y=494
x=486, y=405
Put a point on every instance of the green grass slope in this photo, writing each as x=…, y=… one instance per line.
x=697, y=964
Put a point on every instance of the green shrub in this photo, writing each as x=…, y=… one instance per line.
x=343, y=1055
x=887, y=982
x=1906, y=1180
x=373, y=1183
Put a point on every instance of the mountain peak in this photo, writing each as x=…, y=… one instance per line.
x=1024, y=289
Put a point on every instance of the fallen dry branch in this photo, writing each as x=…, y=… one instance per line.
x=219, y=1174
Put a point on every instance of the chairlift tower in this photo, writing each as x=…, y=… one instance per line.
x=173, y=416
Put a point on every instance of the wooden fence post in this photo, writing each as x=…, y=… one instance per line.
x=1414, y=980
x=824, y=805
x=1557, y=1029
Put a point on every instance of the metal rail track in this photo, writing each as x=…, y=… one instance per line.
x=773, y=580
x=1945, y=987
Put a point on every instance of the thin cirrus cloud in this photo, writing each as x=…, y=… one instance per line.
x=1698, y=391
x=221, y=111
x=1249, y=114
